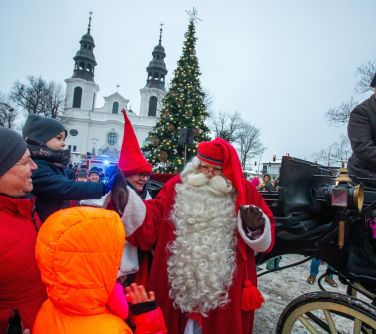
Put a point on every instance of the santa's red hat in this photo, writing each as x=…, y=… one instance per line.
x=220, y=152
x=131, y=160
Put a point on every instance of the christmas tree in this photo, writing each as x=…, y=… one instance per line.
x=183, y=107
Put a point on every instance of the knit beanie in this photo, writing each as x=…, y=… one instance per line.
x=81, y=173
x=42, y=128
x=12, y=148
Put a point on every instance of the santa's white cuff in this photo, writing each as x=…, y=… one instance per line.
x=134, y=213
x=262, y=243
x=129, y=260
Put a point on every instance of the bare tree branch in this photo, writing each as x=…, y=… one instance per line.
x=365, y=73
x=38, y=97
x=335, y=154
x=226, y=125
x=7, y=115
x=340, y=115
x=248, y=139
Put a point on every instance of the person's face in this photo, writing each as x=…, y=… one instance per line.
x=57, y=142
x=266, y=178
x=138, y=181
x=17, y=181
x=210, y=170
x=93, y=177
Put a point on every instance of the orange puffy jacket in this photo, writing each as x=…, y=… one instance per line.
x=78, y=252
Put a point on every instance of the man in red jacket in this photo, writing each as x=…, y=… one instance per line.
x=21, y=288
x=205, y=226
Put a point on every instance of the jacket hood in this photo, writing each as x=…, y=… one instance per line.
x=78, y=251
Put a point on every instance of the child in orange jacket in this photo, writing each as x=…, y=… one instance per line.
x=78, y=251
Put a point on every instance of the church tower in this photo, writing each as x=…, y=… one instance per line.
x=81, y=89
x=154, y=91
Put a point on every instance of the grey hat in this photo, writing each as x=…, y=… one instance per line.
x=42, y=128
x=373, y=82
x=12, y=148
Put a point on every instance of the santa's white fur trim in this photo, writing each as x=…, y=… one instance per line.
x=129, y=261
x=260, y=244
x=134, y=213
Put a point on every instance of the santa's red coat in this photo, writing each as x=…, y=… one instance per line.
x=157, y=231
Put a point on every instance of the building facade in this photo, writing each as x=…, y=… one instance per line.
x=99, y=131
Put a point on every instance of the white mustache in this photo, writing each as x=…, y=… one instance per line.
x=218, y=184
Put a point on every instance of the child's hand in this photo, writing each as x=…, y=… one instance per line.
x=137, y=294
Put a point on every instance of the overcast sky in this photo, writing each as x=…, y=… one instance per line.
x=281, y=63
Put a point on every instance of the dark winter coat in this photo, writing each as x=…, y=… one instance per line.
x=362, y=134
x=52, y=188
x=21, y=285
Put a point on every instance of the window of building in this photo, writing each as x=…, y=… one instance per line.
x=111, y=138
x=115, y=108
x=70, y=147
x=77, y=97
x=152, y=106
x=73, y=132
x=74, y=148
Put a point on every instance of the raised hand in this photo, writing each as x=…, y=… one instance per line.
x=137, y=294
x=252, y=217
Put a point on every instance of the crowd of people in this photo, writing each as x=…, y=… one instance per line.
x=85, y=255
x=67, y=272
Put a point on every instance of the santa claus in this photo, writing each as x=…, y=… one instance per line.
x=204, y=227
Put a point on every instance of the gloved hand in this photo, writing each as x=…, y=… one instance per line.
x=110, y=183
x=119, y=193
x=252, y=217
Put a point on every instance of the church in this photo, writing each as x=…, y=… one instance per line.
x=99, y=131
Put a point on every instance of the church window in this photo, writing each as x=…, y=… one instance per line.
x=74, y=148
x=81, y=66
x=152, y=106
x=111, y=138
x=115, y=107
x=77, y=97
x=88, y=68
x=73, y=132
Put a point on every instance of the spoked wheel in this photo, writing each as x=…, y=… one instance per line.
x=327, y=312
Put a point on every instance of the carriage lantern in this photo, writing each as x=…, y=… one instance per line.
x=345, y=195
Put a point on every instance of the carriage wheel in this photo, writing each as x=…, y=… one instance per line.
x=327, y=312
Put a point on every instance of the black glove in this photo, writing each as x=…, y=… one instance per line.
x=119, y=192
x=252, y=217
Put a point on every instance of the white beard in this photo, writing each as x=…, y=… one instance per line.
x=202, y=262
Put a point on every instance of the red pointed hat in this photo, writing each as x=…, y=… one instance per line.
x=131, y=159
x=220, y=152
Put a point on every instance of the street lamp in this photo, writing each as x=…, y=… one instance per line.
x=262, y=152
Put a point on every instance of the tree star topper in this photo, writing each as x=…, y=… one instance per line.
x=193, y=14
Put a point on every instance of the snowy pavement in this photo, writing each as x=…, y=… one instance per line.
x=279, y=288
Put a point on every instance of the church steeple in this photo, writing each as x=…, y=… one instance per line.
x=157, y=67
x=84, y=58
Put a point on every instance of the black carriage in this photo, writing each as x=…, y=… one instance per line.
x=320, y=213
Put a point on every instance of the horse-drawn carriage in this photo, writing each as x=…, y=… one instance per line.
x=320, y=213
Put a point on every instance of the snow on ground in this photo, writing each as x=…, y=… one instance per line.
x=279, y=288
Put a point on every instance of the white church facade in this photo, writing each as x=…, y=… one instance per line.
x=99, y=131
